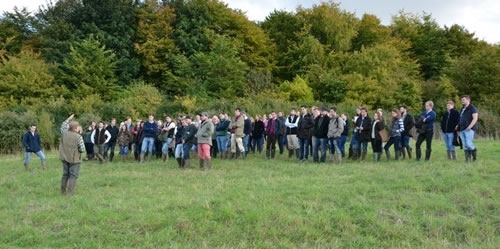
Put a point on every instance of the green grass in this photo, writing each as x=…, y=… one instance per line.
x=256, y=204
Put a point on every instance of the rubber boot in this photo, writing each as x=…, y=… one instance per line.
x=355, y=154
x=149, y=158
x=237, y=154
x=350, y=153
x=71, y=186
x=232, y=155
x=268, y=154
x=403, y=153
x=290, y=153
x=474, y=154
x=448, y=153
x=409, y=152
x=141, y=158
x=388, y=155
x=468, y=156
x=164, y=158
x=427, y=155
x=64, y=185
x=363, y=155
x=44, y=165
x=208, y=163
x=376, y=157
x=273, y=153
x=202, y=163
x=337, y=158
x=453, y=155
x=179, y=162
x=243, y=155
x=187, y=163
x=111, y=156
x=27, y=167
x=397, y=155
x=418, y=154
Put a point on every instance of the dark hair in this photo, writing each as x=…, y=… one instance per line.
x=404, y=106
x=238, y=109
x=465, y=96
x=334, y=109
x=303, y=106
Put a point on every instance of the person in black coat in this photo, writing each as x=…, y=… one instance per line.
x=363, y=129
x=320, y=134
x=449, y=125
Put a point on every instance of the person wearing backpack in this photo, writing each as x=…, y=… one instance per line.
x=335, y=129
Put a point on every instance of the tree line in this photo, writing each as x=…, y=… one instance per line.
x=118, y=58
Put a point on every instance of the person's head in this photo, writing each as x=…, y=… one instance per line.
x=204, y=116
x=93, y=124
x=395, y=113
x=128, y=121
x=358, y=111
x=380, y=110
x=159, y=123
x=364, y=112
x=237, y=112
x=429, y=105
x=450, y=105
x=75, y=126
x=264, y=117
x=215, y=119
x=403, y=109
x=33, y=127
x=272, y=115
x=100, y=124
x=168, y=119
x=257, y=117
x=324, y=111
x=333, y=111
x=187, y=120
x=222, y=116
x=465, y=99
x=293, y=112
x=303, y=109
x=197, y=118
x=113, y=122
x=378, y=116
x=90, y=128
x=344, y=116
x=138, y=122
x=151, y=118
x=141, y=124
x=280, y=114
x=123, y=127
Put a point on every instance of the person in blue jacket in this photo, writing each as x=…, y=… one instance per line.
x=32, y=144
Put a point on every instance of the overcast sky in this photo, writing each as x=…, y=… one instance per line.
x=479, y=16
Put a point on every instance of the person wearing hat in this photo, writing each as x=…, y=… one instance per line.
x=204, y=136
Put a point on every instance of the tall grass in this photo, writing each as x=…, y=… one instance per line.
x=256, y=204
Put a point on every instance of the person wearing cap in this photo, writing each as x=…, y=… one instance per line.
x=237, y=134
x=204, y=138
x=188, y=139
x=70, y=152
x=467, y=127
x=448, y=126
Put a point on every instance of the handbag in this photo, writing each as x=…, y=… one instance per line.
x=383, y=135
x=457, y=141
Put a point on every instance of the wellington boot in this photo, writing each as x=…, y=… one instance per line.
x=273, y=153
x=403, y=153
x=232, y=155
x=349, y=154
x=468, y=156
x=164, y=157
x=388, y=155
x=27, y=167
x=448, y=153
x=141, y=158
x=418, y=154
x=331, y=158
x=179, y=162
x=363, y=155
x=202, y=163
x=474, y=154
x=409, y=151
x=453, y=155
x=149, y=158
x=44, y=165
x=64, y=185
x=208, y=163
x=290, y=153
x=268, y=154
x=187, y=163
x=428, y=155
x=71, y=186
x=376, y=157
x=243, y=155
x=397, y=155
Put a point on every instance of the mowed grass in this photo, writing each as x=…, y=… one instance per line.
x=256, y=204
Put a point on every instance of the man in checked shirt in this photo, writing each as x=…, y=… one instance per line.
x=70, y=153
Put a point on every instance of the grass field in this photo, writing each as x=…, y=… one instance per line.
x=256, y=204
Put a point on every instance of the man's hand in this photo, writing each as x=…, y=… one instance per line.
x=71, y=116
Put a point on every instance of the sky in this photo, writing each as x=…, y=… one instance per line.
x=479, y=16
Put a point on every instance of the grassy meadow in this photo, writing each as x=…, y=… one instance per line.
x=256, y=204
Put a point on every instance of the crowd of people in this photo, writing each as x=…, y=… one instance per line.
x=321, y=133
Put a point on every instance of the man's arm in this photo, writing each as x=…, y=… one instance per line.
x=81, y=145
x=108, y=136
x=475, y=117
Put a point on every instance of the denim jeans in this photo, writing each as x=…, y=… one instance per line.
x=124, y=150
x=27, y=156
x=222, y=143
x=319, y=144
x=468, y=139
x=303, y=148
x=334, y=145
x=405, y=142
x=179, y=151
x=246, y=139
x=164, y=148
x=396, y=140
x=109, y=146
x=342, y=142
x=147, y=145
x=448, y=141
x=186, y=147
x=257, y=143
x=354, y=144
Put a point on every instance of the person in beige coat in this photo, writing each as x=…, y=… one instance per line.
x=204, y=137
x=237, y=133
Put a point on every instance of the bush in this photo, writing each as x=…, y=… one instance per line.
x=14, y=125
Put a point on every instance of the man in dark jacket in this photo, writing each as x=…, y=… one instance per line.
x=467, y=126
x=449, y=124
x=32, y=144
x=113, y=131
x=321, y=135
x=272, y=131
x=188, y=139
x=304, y=127
x=409, y=123
x=363, y=128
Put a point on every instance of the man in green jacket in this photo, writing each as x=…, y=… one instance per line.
x=70, y=153
x=204, y=135
x=237, y=134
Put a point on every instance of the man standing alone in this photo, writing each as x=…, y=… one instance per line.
x=467, y=127
x=32, y=144
x=70, y=153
